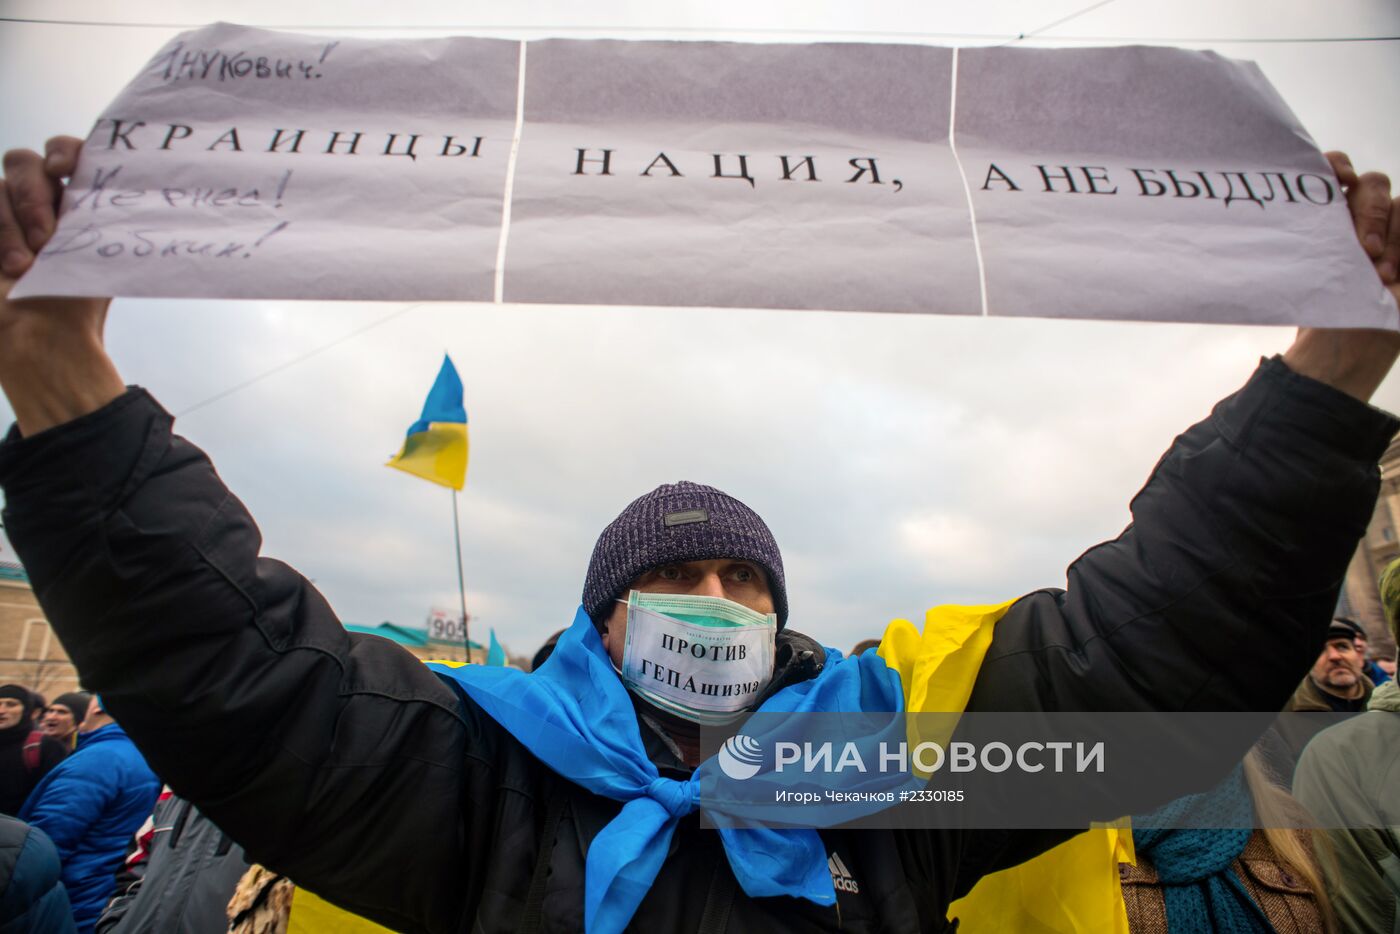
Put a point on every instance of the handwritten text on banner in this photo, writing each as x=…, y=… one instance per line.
x=1120, y=183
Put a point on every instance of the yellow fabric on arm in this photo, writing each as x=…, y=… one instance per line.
x=939, y=665
x=1071, y=889
x=314, y=915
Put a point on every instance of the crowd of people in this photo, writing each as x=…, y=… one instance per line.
x=445, y=798
x=118, y=855
x=71, y=773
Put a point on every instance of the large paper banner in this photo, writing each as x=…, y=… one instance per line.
x=1124, y=183
x=243, y=163
x=771, y=176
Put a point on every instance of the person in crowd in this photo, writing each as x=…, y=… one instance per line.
x=138, y=849
x=63, y=717
x=266, y=902
x=185, y=875
x=261, y=902
x=489, y=800
x=864, y=644
x=1349, y=778
x=90, y=805
x=1335, y=685
x=32, y=897
x=1369, y=665
x=1336, y=681
x=26, y=754
x=38, y=703
x=1250, y=868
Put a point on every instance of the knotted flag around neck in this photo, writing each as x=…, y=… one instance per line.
x=575, y=715
x=436, y=446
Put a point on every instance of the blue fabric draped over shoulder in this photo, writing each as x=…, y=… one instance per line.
x=575, y=716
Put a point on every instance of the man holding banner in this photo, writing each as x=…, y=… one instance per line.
x=493, y=801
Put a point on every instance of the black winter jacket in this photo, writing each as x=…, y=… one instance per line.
x=344, y=763
x=17, y=779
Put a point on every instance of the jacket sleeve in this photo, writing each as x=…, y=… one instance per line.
x=34, y=898
x=126, y=883
x=1216, y=598
x=67, y=804
x=336, y=759
x=1218, y=595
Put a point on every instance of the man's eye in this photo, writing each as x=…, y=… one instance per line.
x=670, y=573
x=743, y=574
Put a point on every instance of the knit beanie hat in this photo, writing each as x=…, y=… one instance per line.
x=76, y=701
x=675, y=523
x=19, y=693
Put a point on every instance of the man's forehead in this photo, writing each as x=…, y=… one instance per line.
x=1342, y=642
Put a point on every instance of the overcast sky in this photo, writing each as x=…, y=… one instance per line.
x=902, y=461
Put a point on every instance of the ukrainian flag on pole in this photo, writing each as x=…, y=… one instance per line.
x=496, y=655
x=436, y=446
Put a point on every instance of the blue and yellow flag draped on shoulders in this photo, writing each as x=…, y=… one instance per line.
x=575, y=715
x=436, y=446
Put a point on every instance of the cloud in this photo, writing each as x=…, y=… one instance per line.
x=959, y=547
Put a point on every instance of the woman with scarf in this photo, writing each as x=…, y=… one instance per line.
x=26, y=755
x=1203, y=866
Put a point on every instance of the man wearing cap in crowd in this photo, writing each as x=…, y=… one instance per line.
x=1336, y=682
x=431, y=803
x=64, y=716
x=1334, y=685
x=1349, y=780
x=90, y=805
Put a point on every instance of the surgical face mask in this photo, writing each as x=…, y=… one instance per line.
x=704, y=659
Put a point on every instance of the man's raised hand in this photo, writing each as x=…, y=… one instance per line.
x=1377, y=218
x=32, y=187
x=1356, y=361
x=53, y=367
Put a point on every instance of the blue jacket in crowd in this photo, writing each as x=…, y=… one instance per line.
x=90, y=805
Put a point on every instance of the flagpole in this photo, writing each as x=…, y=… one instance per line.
x=461, y=585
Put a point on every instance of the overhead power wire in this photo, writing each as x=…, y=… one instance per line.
x=288, y=364
x=680, y=30
x=1061, y=21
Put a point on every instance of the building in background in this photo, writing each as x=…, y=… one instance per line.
x=1380, y=546
x=29, y=652
x=421, y=644
x=31, y=655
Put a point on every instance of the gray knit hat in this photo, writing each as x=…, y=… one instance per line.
x=674, y=523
